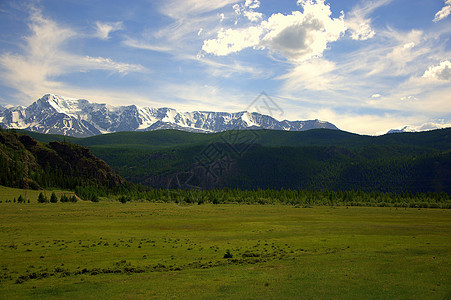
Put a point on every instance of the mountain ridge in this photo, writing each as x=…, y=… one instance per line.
x=28, y=163
x=314, y=159
x=52, y=114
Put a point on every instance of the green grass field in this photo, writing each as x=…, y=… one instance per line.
x=110, y=250
x=9, y=194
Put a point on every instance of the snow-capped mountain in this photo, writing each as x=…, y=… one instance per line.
x=424, y=127
x=81, y=118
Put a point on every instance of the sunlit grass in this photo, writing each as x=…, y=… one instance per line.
x=141, y=250
x=9, y=194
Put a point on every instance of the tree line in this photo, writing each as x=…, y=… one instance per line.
x=302, y=197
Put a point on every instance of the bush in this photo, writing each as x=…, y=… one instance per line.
x=53, y=198
x=124, y=199
x=228, y=254
x=41, y=198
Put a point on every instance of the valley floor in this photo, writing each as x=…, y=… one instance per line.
x=110, y=250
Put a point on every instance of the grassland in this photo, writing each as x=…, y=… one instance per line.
x=161, y=250
x=9, y=194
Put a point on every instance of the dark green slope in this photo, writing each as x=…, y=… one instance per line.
x=436, y=139
x=339, y=169
x=313, y=159
x=27, y=163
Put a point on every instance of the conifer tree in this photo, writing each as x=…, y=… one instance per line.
x=41, y=198
x=53, y=198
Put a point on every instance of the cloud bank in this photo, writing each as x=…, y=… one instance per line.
x=45, y=56
x=441, y=72
x=298, y=36
x=444, y=12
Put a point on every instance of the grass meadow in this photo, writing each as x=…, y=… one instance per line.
x=110, y=250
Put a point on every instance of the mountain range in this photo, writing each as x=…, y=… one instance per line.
x=423, y=127
x=53, y=114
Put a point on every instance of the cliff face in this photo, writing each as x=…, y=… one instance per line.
x=27, y=163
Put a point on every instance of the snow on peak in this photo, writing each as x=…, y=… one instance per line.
x=55, y=114
x=247, y=118
x=68, y=106
x=423, y=127
x=170, y=116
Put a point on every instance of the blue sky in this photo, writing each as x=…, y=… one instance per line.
x=366, y=66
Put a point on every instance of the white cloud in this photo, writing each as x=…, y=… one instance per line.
x=184, y=9
x=444, y=12
x=408, y=98
x=358, y=22
x=376, y=96
x=424, y=127
x=192, y=96
x=103, y=30
x=237, y=9
x=396, y=56
x=360, y=29
x=247, y=10
x=87, y=63
x=372, y=124
x=299, y=36
x=252, y=4
x=146, y=46
x=432, y=126
x=230, y=41
x=44, y=58
x=441, y=72
x=253, y=16
x=228, y=69
x=314, y=74
x=361, y=123
x=181, y=36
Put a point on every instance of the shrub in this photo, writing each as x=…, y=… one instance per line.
x=228, y=254
x=64, y=198
x=124, y=199
x=53, y=198
x=42, y=198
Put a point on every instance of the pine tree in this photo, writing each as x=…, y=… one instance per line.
x=41, y=198
x=53, y=198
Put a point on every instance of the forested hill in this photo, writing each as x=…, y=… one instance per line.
x=268, y=159
x=27, y=163
x=436, y=139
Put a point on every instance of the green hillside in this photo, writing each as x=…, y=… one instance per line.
x=314, y=159
x=436, y=139
x=30, y=164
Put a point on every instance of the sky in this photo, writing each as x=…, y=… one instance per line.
x=366, y=66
